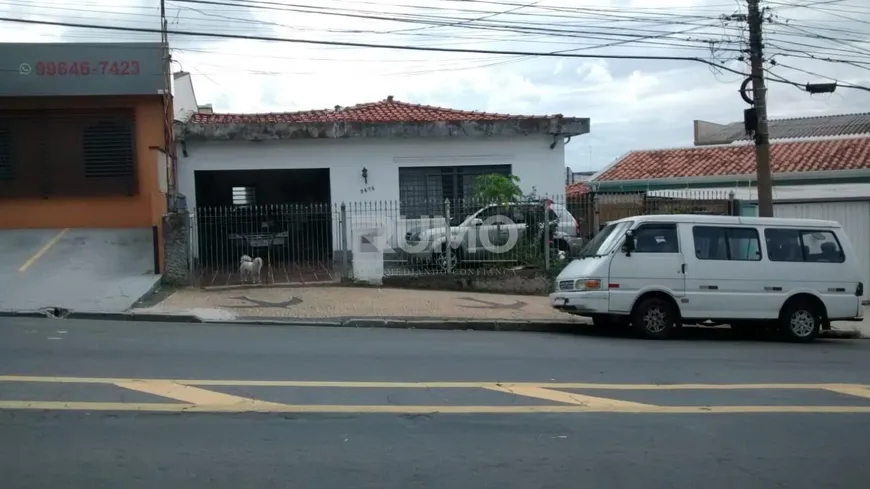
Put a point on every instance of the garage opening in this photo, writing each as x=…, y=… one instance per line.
x=284, y=217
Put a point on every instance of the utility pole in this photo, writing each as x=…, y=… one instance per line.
x=168, y=113
x=759, y=94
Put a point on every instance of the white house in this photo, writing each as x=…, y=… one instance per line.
x=403, y=157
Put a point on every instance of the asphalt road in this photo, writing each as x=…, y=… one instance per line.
x=86, y=405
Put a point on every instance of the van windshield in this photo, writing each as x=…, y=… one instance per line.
x=604, y=242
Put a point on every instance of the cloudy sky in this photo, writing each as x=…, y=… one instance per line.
x=633, y=103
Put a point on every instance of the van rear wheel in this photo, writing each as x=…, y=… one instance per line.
x=801, y=322
x=654, y=318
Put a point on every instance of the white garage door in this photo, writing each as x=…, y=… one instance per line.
x=853, y=216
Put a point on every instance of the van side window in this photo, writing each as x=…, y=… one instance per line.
x=744, y=244
x=794, y=245
x=721, y=243
x=656, y=238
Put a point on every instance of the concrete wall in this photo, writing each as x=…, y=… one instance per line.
x=704, y=132
x=523, y=282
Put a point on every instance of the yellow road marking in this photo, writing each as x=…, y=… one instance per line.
x=569, y=397
x=42, y=250
x=851, y=390
x=194, y=396
x=427, y=385
x=195, y=399
x=368, y=409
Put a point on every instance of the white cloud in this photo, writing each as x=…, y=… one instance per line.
x=633, y=104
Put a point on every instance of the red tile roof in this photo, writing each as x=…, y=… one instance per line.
x=575, y=189
x=387, y=110
x=703, y=161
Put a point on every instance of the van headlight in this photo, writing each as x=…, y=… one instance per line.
x=579, y=285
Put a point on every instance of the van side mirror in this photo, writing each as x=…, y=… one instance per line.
x=628, y=245
x=477, y=221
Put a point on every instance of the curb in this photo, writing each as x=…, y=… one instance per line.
x=105, y=316
x=427, y=324
x=505, y=325
x=423, y=324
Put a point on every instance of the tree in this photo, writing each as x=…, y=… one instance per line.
x=498, y=189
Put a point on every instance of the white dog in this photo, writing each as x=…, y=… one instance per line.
x=250, y=268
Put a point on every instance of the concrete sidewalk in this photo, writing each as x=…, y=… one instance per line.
x=337, y=303
x=358, y=306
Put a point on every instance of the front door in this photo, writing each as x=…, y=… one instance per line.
x=655, y=264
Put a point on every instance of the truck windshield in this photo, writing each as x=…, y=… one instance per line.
x=604, y=242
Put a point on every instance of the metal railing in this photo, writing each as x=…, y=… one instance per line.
x=318, y=242
x=294, y=243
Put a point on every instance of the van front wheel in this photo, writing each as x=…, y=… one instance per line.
x=654, y=318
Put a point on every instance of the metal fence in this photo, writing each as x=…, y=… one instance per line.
x=294, y=242
x=318, y=242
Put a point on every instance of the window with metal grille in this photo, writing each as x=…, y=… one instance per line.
x=244, y=196
x=423, y=190
x=68, y=152
x=7, y=170
x=108, y=150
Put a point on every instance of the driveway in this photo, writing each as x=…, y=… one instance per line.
x=105, y=270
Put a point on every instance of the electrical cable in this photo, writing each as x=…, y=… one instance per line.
x=367, y=45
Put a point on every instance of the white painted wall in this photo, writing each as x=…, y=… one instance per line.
x=530, y=157
x=780, y=192
x=183, y=96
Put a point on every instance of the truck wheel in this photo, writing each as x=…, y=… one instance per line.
x=654, y=319
x=801, y=322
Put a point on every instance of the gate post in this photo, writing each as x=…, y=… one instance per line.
x=343, y=233
x=448, y=238
x=733, y=205
x=177, y=262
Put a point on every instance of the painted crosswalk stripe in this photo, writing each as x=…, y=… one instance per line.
x=196, y=396
x=568, y=397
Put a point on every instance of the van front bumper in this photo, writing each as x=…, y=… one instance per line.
x=582, y=303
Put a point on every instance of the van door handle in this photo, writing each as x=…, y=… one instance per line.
x=683, y=268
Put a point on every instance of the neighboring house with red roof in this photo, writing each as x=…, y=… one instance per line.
x=820, y=166
x=793, y=162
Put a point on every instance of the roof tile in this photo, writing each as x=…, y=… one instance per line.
x=384, y=111
x=786, y=157
x=577, y=189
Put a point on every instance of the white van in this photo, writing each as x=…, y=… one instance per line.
x=660, y=271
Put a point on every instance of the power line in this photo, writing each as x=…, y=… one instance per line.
x=653, y=37
x=839, y=83
x=660, y=37
x=370, y=45
x=524, y=27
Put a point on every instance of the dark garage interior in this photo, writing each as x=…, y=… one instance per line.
x=282, y=216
